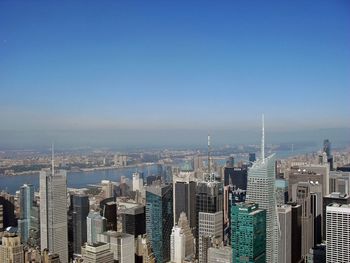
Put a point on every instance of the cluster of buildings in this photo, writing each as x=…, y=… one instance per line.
x=252, y=213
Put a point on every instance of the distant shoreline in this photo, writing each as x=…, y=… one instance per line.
x=27, y=173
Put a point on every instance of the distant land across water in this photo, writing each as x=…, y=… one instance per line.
x=82, y=179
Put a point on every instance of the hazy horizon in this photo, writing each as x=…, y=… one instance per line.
x=191, y=138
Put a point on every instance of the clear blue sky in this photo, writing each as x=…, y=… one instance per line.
x=174, y=64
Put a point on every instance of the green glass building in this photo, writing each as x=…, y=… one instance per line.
x=248, y=237
x=159, y=219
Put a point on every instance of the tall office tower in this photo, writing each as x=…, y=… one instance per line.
x=107, y=188
x=285, y=244
x=311, y=172
x=177, y=245
x=26, y=196
x=236, y=176
x=185, y=196
x=97, y=253
x=181, y=240
x=261, y=190
x=11, y=250
x=316, y=210
x=338, y=198
x=137, y=181
x=327, y=149
x=209, y=196
x=248, y=224
x=53, y=212
x=34, y=229
x=80, y=212
x=209, y=199
x=209, y=227
x=109, y=211
x=96, y=224
x=296, y=232
x=302, y=195
x=339, y=181
x=252, y=157
x=8, y=208
x=231, y=197
x=134, y=220
x=121, y=244
x=159, y=219
x=338, y=233
x=281, y=191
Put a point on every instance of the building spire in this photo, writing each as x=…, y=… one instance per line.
x=263, y=139
x=53, y=159
x=209, y=154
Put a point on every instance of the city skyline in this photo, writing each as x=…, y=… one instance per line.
x=176, y=66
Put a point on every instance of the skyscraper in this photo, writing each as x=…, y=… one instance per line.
x=80, y=212
x=11, y=250
x=26, y=195
x=134, y=220
x=338, y=233
x=329, y=199
x=182, y=240
x=185, y=196
x=327, y=149
x=302, y=196
x=236, y=176
x=281, y=191
x=210, y=227
x=121, y=244
x=285, y=243
x=296, y=232
x=159, y=219
x=137, y=181
x=96, y=224
x=53, y=212
x=261, y=190
x=248, y=233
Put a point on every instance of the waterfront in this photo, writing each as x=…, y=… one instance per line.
x=75, y=179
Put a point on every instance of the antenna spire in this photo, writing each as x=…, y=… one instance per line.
x=53, y=159
x=263, y=139
x=209, y=154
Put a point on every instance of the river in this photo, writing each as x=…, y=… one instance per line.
x=75, y=179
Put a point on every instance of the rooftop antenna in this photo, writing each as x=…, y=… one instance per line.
x=209, y=154
x=263, y=140
x=53, y=159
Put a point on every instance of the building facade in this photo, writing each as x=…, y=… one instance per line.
x=248, y=237
x=159, y=219
x=285, y=243
x=338, y=233
x=80, y=213
x=261, y=191
x=26, y=196
x=53, y=212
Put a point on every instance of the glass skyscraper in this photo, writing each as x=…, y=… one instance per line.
x=80, y=212
x=248, y=224
x=26, y=195
x=159, y=219
x=261, y=190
